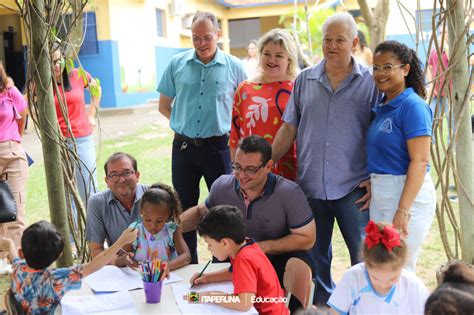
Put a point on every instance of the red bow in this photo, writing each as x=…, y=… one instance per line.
x=389, y=236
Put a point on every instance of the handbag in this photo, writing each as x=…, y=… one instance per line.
x=7, y=203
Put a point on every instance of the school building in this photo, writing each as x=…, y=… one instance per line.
x=128, y=43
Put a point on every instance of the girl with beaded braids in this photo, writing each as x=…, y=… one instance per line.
x=398, y=147
x=159, y=233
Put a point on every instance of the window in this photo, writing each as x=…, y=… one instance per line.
x=89, y=28
x=160, y=23
x=424, y=19
x=89, y=45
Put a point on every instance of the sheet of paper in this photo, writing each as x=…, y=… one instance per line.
x=113, y=279
x=180, y=290
x=98, y=304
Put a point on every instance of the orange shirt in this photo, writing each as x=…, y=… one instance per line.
x=257, y=110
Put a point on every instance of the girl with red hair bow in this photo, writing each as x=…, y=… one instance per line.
x=380, y=285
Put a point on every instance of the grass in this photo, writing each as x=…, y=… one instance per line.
x=151, y=147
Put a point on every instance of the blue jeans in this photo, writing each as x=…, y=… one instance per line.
x=351, y=222
x=189, y=164
x=86, y=170
x=86, y=173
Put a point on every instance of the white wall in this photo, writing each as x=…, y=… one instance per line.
x=396, y=24
x=242, y=31
x=133, y=26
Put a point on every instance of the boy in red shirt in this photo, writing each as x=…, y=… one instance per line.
x=254, y=279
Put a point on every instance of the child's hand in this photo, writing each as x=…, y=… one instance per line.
x=124, y=260
x=7, y=244
x=135, y=264
x=165, y=271
x=128, y=236
x=198, y=281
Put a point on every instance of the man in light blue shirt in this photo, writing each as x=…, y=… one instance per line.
x=329, y=113
x=196, y=95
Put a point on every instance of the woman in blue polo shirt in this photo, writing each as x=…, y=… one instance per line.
x=398, y=147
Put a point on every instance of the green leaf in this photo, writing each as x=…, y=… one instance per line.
x=69, y=64
x=95, y=88
x=82, y=74
x=54, y=32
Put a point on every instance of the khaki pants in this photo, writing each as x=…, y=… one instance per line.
x=14, y=168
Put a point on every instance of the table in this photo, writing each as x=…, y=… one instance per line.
x=168, y=304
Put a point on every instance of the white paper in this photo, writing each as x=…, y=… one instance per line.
x=98, y=304
x=173, y=278
x=181, y=290
x=113, y=279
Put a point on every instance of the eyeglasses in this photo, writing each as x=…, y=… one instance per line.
x=206, y=39
x=59, y=61
x=250, y=170
x=386, y=68
x=116, y=176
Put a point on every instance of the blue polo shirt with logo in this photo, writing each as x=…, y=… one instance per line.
x=281, y=207
x=405, y=117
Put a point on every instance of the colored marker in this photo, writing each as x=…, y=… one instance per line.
x=202, y=272
x=128, y=254
x=135, y=226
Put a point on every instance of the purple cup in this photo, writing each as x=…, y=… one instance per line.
x=153, y=291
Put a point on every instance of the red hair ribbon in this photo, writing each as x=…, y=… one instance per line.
x=389, y=236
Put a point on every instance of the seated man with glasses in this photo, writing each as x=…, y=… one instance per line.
x=276, y=211
x=111, y=211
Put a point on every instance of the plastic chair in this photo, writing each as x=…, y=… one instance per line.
x=298, y=281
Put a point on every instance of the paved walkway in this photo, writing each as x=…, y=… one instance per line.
x=113, y=123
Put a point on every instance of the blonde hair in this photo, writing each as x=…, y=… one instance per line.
x=3, y=78
x=285, y=40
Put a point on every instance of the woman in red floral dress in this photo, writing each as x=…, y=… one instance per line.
x=259, y=102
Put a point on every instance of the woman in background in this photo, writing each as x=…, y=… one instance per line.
x=251, y=61
x=13, y=162
x=362, y=52
x=80, y=122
